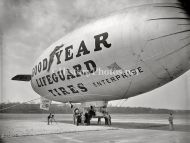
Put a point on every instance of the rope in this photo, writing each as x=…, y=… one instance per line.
x=18, y=104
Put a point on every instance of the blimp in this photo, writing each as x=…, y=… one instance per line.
x=118, y=56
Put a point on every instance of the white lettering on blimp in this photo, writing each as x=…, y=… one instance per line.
x=100, y=40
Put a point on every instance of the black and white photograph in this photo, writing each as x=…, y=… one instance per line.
x=94, y=71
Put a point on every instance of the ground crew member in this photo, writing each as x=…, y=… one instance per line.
x=52, y=119
x=92, y=112
x=75, y=113
x=170, y=119
x=49, y=117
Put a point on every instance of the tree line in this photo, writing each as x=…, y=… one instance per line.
x=65, y=109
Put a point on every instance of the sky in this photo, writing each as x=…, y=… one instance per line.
x=28, y=27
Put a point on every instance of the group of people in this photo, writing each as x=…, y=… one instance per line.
x=80, y=118
x=85, y=117
x=106, y=116
x=51, y=118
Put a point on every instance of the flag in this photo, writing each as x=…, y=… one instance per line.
x=45, y=103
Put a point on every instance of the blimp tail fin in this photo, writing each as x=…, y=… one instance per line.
x=22, y=77
x=185, y=5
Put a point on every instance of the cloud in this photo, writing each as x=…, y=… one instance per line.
x=28, y=28
x=12, y=15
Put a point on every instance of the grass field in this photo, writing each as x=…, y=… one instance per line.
x=34, y=126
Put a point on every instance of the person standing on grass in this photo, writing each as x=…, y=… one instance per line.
x=170, y=119
x=52, y=119
x=49, y=117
